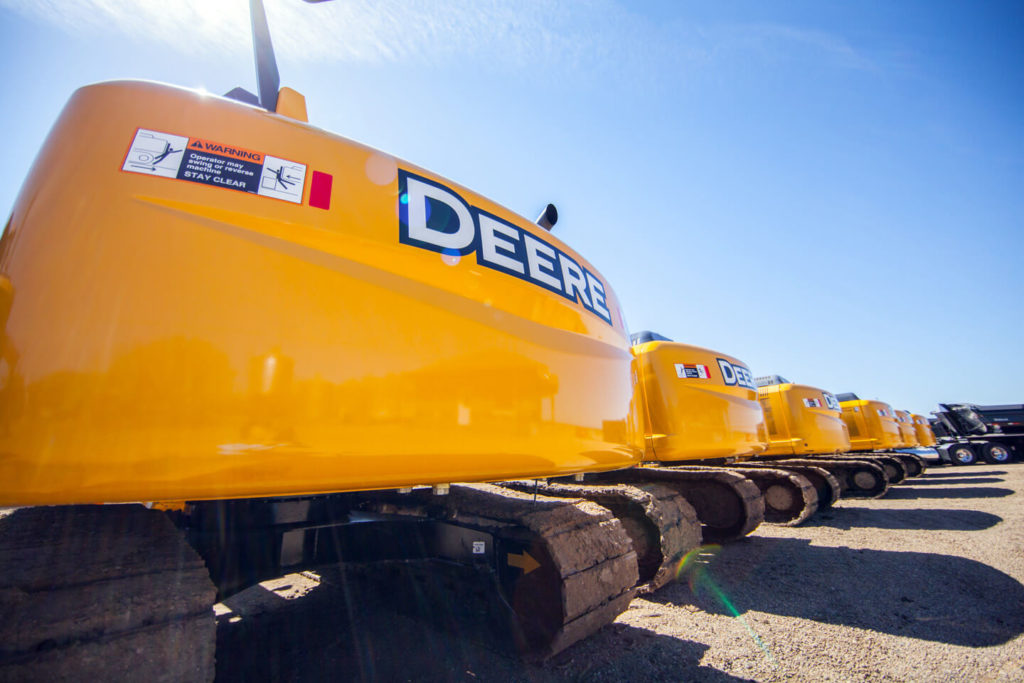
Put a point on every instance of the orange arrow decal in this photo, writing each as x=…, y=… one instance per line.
x=524, y=562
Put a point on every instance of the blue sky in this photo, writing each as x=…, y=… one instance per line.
x=830, y=191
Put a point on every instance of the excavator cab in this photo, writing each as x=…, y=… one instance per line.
x=908, y=435
x=923, y=431
x=801, y=419
x=872, y=424
x=698, y=404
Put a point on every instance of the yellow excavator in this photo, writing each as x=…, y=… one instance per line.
x=808, y=422
x=702, y=425
x=923, y=431
x=801, y=419
x=908, y=435
x=875, y=431
x=804, y=425
x=235, y=345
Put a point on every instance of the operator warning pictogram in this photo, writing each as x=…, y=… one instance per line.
x=155, y=153
x=214, y=163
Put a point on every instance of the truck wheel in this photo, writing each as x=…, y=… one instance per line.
x=962, y=454
x=995, y=453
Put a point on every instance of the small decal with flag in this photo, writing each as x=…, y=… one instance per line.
x=692, y=371
x=812, y=402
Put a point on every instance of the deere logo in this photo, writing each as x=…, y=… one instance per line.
x=831, y=401
x=736, y=374
x=434, y=217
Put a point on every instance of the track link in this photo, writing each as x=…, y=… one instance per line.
x=662, y=525
x=789, y=498
x=728, y=504
x=914, y=464
x=895, y=470
x=91, y=592
x=587, y=566
x=857, y=478
x=825, y=485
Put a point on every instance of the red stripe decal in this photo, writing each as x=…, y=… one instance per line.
x=320, y=190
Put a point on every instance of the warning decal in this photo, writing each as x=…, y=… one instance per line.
x=692, y=371
x=155, y=153
x=212, y=163
x=282, y=179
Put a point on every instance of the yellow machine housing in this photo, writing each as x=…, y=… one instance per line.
x=209, y=300
x=698, y=404
x=908, y=435
x=802, y=420
x=923, y=431
x=872, y=425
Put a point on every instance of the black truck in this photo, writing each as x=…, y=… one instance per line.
x=968, y=432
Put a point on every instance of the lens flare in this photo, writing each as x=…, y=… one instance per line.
x=381, y=169
x=694, y=567
x=451, y=257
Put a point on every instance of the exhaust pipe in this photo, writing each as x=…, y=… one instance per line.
x=548, y=217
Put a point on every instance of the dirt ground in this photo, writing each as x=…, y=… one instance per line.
x=925, y=584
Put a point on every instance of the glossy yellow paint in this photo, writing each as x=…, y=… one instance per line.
x=172, y=340
x=908, y=436
x=802, y=420
x=872, y=425
x=696, y=418
x=923, y=431
x=292, y=104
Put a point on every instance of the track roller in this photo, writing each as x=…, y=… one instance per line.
x=789, y=498
x=857, y=478
x=896, y=472
x=728, y=504
x=825, y=485
x=661, y=524
x=566, y=567
x=914, y=464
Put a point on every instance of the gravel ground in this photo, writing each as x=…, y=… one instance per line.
x=925, y=584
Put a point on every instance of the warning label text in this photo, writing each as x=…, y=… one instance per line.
x=212, y=163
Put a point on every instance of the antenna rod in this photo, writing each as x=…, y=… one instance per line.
x=268, y=80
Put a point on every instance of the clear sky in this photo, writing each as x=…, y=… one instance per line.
x=831, y=191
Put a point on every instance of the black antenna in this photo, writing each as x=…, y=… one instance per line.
x=268, y=81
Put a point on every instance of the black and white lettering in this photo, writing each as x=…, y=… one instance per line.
x=541, y=259
x=736, y=374
x=436, y=218
x=574, y=279
x=728, y=374
x=597, y=296
x=499, y=243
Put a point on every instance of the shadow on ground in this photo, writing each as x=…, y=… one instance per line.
x=908, y=491
x=847, y=517
x=949, y=599
x=349, y=629
x=961, y=472
x=948, y=481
